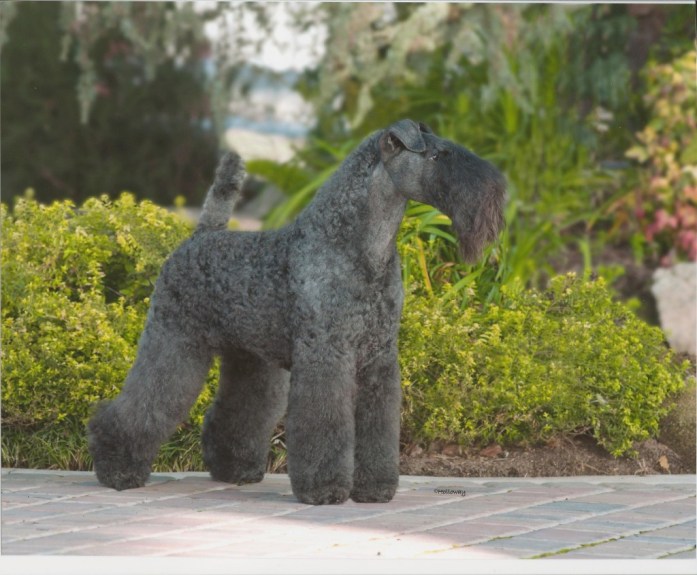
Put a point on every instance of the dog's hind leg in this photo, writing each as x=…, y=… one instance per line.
x=252, y=398
x=125, y=434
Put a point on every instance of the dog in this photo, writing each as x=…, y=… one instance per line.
x=305, y=320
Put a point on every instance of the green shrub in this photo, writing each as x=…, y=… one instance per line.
x=565, y=360
x=75, y=293
x=75, y=287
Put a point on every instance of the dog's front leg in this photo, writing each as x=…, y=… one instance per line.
x=320, y=424
x=376, y=473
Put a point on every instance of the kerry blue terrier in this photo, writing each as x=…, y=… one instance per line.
x=321, y=298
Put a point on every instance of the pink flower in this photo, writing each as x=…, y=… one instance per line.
x=687, y=241
x=664, y=220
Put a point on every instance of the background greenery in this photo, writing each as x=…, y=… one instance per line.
x=588, y=110
x=554, y=98
x=148, y=127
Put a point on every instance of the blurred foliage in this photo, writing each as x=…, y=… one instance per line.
x=149, y=121
x=544, y=92
x=662, y=208
x=114, y=96
x=508, y=113
x=155, y=33
x=378, y=50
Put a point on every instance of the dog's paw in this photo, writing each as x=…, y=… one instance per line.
x=376, y=485
x=331, y=485
x=381, y=493
x=236, y=475
x=121, y=480
x=120, y=471
x=226, y=466
x=326, y=495
x=118, y=463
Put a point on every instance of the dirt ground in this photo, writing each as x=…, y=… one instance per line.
x=564, y=457
x=673, y=453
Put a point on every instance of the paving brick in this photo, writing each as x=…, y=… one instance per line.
x=21, y=548
x=521, y=519
x=562, y=535
x=470, y=553
x=575, y=554
x=127, y=549
x=686, y=529
x=689, y=554
x=188, y=515
x=629, y=549
x=470, y=532
x=624, y=498
x=488, y=552
x=673, y=510
x=583, y=506
x=527, y=544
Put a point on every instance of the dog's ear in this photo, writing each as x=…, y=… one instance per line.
x=404, y=134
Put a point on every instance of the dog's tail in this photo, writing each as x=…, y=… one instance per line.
x=223, y=194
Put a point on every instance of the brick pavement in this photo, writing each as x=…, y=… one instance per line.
x=187, y=515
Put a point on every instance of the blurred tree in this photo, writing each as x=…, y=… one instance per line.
x=87, y=82
x=379, y=51
x=142, y=120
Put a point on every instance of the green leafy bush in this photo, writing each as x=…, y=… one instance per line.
x=565, y=360
x=75, y=293
x=74, y=297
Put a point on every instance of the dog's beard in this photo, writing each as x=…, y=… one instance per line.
x=478, y=223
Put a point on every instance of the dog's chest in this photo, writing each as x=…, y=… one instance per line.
x=379, y=323
x=371, y=314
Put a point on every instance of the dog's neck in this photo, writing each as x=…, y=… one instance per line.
x=383, y=215
x=358, y=210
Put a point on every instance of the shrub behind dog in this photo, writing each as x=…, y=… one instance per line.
x=75, y=287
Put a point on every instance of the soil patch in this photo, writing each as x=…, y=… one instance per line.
x=559, y=458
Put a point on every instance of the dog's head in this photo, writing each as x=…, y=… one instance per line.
x=438, y=172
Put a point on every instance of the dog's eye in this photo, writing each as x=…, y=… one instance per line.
x=436, y=155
